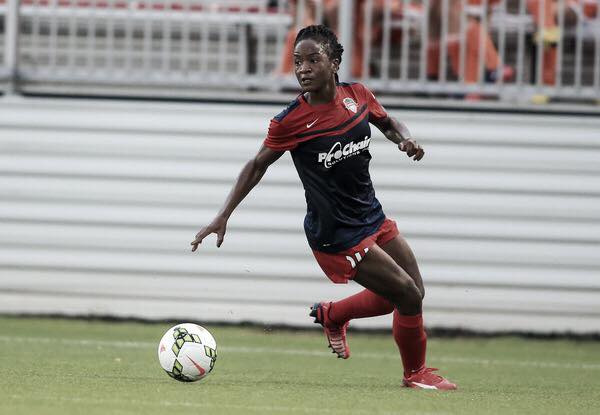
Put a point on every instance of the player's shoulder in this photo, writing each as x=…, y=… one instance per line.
x=354, y=86
x=356, y=89
x=290, y=120
x=284, y=126
x=290, y=111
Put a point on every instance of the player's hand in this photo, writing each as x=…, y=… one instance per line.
x=412, y=149
x=218, y=226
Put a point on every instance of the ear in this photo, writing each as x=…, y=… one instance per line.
x=335, y=65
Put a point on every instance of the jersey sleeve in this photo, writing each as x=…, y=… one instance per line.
x=376, y=110
x=279, y=137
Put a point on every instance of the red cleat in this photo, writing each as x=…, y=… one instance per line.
x=336, y=334
x=426, y=379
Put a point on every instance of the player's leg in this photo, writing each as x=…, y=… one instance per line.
x=361, y=305
x=380, y=273
x=334, y=316
x=365, y=303
x=401, y=253
x=404, y=328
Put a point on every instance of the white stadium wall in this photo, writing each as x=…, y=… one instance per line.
x=100, y=201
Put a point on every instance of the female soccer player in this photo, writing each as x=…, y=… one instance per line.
x=326, y=129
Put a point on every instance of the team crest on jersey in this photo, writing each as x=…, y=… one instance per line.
x=350, y=104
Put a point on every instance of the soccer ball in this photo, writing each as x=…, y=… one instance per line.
x=187, y=352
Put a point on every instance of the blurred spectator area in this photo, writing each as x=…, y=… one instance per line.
x=134, y=40
x=239, y=44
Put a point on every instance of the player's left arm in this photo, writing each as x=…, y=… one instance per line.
x=398, y=133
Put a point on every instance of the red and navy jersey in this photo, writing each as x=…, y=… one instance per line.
x=329, y=144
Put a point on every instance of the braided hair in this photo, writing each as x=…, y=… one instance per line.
x=326, y=37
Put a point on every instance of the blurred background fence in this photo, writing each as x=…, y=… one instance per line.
x=100, y=201
x=508, y=49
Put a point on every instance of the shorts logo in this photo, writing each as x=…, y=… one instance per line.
x=358, y=257
x=338, y=153
x=350, y=104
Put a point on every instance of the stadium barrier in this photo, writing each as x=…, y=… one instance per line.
x=3, y=70
x=501, y=31
x=8, y=40
x=100, y=201
x=402, y=48
x=394, y=46
x=149, y=43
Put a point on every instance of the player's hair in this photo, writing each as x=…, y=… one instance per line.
x=325, y=36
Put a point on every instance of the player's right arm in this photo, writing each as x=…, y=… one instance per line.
x=249, y=177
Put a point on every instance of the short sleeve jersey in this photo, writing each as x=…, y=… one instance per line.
x=329, y=144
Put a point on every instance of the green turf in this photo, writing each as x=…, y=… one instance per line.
x=79, y=367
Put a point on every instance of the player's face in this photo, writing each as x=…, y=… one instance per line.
x=312, y=65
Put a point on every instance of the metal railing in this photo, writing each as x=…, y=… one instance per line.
x=488, y=47
x=8, y=40
x=3, y=70
x=500, y=48
x=185, y=43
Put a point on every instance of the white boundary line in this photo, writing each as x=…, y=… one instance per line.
x=299, y=352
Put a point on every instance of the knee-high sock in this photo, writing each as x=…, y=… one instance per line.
x=411, y=339
x=364, y=304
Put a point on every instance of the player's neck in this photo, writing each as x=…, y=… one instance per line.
x=324, y=95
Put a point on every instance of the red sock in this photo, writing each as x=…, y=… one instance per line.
x=361, y=305
x=411, y=339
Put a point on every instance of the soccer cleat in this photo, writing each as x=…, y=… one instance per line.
x=336, y=334
x=426, y=379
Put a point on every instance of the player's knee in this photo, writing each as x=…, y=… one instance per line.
x=406, y=293
x=414, y=296
x=412, y=302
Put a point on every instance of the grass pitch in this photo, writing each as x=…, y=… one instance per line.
x=79, y=367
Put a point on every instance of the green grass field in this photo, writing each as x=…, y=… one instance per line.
x=78, y=367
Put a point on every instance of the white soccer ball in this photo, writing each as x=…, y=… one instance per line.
x=187, y=352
